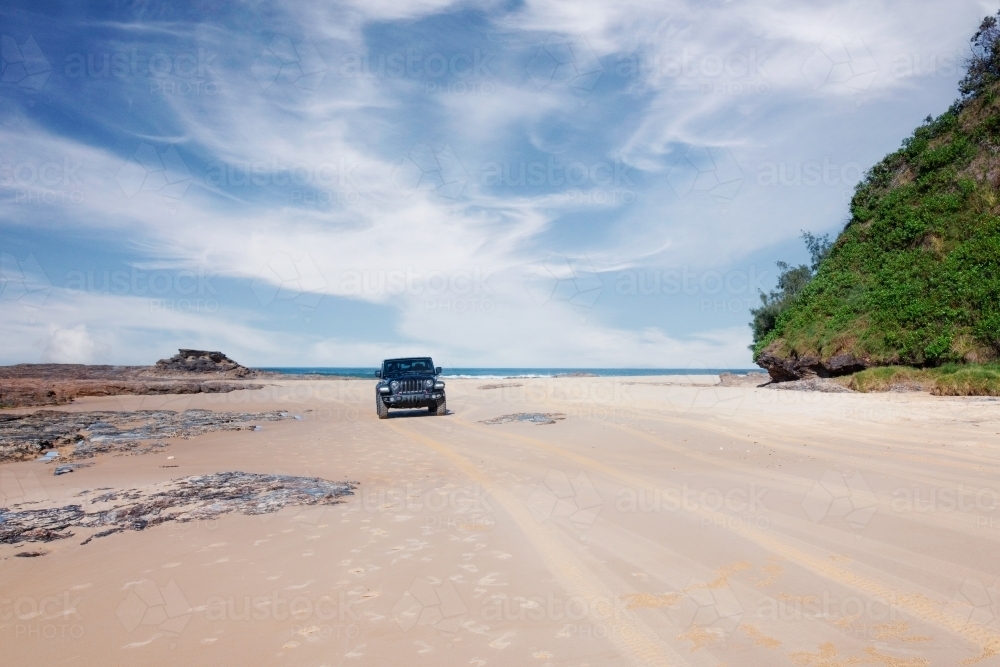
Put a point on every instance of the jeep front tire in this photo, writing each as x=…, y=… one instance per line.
x=380, y=407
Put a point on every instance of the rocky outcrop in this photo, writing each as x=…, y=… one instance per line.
x=752, y=379
x=71, y=436
x=203, y=362
x=195, y=498
x=188, y=372
x=815, y=383
x=792, y=367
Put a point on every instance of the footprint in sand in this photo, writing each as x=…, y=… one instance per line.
x=648, y=601
x=798, y=599
x=490, y=580
x=759, y=638
x=141, y=644
x=423, y=647
x=773, y=572
x=699, y=637
x=356, y=651
x=501, y=641
x=722, y=576
x=896, y=630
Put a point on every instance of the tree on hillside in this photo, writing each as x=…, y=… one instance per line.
x=791, y=280
x=983, y=64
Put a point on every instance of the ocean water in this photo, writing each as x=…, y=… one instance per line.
x=502, y=373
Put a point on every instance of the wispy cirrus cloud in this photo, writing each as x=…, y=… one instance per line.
x=385, y=157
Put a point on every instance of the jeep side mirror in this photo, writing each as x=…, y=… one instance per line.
x=378, y=374
x=437, y=371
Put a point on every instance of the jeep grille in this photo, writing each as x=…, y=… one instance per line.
x=410, y=385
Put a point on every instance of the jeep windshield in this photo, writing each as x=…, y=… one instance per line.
x=407, y=367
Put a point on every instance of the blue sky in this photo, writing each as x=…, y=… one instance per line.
x=585, y=184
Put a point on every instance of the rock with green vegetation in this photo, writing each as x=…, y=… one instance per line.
x=914, y=278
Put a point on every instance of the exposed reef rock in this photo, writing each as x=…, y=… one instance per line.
x=186, y=499
x=751, y=379
x=81, y=435
x=537, y=418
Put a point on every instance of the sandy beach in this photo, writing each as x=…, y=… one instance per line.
x=644, y=521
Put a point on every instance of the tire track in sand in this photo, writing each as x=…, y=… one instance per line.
x=635, y=640
x=916, y=604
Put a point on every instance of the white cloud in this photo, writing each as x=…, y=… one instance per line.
x=70, y=346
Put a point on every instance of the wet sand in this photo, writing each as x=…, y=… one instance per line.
x=658, y=523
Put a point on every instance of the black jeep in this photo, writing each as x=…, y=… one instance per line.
x=409, y=383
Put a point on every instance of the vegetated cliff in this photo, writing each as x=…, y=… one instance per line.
x=914, y=278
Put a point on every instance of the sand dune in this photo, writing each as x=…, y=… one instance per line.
x=658, y=523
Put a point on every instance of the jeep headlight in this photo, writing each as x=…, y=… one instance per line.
x=428, y=384
x=395, y=385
